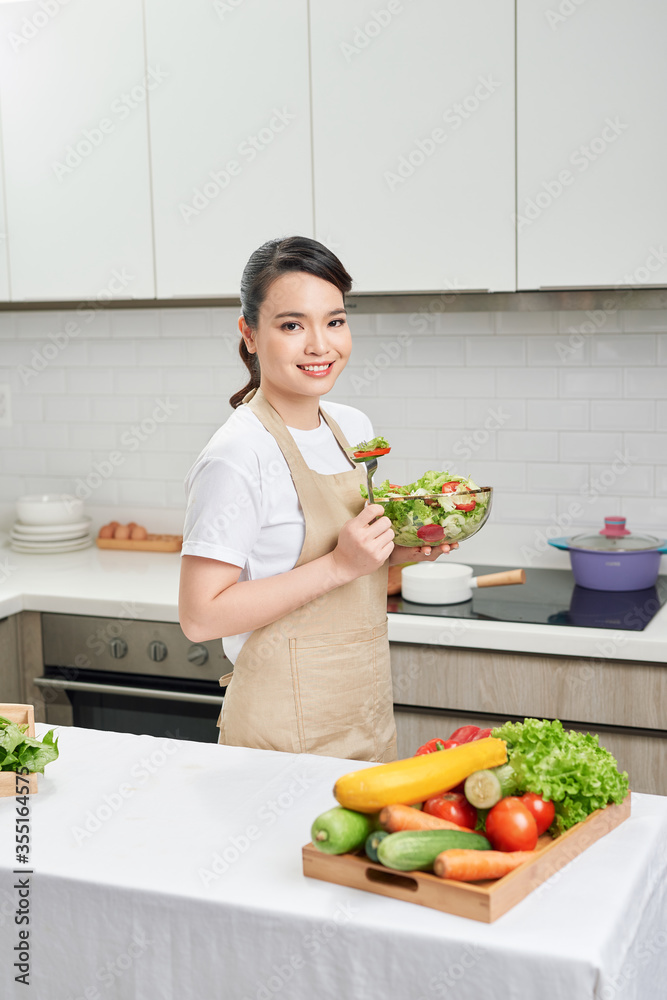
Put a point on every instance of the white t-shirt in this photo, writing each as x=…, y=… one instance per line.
x=242, y=507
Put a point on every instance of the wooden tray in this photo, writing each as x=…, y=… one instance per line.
x=152, y=543
x=20, y=714
x=484, y=901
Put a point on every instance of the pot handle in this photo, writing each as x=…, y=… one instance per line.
x=500, y=579
x=560, y=543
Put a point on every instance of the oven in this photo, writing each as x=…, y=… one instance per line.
x=130, y=676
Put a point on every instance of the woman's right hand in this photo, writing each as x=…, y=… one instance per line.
x=364, y=547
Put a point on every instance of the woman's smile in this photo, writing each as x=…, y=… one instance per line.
x=317, y=370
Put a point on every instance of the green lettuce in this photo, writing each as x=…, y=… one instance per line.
x=18, y=751
x=408, y=512
x=568, y=767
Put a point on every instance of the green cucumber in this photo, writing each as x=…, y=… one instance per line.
x=413, y=850
x=483, y=789
x=340, y=830
x=373, y=841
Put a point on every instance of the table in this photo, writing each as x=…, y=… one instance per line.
x=167, y=869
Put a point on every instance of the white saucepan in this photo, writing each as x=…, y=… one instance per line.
x=439, y=583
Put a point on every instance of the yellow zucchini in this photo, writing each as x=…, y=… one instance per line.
x=417, y=778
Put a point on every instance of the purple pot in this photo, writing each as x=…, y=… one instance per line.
x=614, y=559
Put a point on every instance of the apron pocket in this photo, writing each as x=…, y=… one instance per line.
x=342, y=691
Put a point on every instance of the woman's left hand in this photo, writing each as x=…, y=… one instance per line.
x=423, y=553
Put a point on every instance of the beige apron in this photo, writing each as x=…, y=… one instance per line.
x=317, y=680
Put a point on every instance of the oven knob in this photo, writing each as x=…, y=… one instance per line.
x=118, y=648
x=157, y=651
x=198, y=655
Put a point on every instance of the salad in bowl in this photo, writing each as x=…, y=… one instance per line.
x=438, y=507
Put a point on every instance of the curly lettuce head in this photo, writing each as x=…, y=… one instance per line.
x=568, y=767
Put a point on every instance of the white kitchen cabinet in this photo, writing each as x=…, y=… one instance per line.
x=230, y=136
x=73, y=86
x=591, y=143
x=413, y=128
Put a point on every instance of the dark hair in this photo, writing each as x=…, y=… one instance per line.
x=268, y=262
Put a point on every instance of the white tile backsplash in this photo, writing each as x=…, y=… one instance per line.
x=538, y=405
x=623, y=415
x=497, y=351
x=590, y=383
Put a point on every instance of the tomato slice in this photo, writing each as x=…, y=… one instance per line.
x=455, y=487
x=371, y=454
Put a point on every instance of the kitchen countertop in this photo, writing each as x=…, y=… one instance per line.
x=144, y=585
x=165, y=868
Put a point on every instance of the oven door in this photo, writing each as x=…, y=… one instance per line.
x=173, y=708
x=130, y=676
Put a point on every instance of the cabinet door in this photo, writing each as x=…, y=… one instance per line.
x=230, y=136
x=73, y=89
x=591, y=143
x=413, y=127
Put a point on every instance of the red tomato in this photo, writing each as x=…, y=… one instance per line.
x=510, y=826
x=543, y=810
x=453, y=807
x=431, y=533
x=452, y=487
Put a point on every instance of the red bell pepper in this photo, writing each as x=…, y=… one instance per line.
x=431, y=747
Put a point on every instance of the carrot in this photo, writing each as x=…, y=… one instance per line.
x=472, y=866
x=399, y=817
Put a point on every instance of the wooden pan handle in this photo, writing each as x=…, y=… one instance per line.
x=500, y=579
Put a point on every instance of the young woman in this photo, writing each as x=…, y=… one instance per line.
x=281, y=557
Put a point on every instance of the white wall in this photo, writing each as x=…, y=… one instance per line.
x=564, y=414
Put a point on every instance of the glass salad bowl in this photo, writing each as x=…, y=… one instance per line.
x=422, y=518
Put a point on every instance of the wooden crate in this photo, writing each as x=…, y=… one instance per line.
x=152, y=543
x=484, y=901
x=20, y=714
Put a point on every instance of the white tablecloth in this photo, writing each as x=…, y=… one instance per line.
x=166, y=870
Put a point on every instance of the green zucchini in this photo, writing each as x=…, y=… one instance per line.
x=416, y=850
x=340, y=830
x=373, y=841
x=483, y=789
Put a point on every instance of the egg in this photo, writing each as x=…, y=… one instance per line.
x=122, y=531
x=138, y=533
x=106, y=531
x=132, y=524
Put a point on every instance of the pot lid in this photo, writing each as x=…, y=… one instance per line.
x=615, y=537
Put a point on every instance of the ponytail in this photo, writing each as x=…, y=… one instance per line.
x=251, y=361
x=266, y=264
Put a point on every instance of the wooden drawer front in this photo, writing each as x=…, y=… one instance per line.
x=615, y=693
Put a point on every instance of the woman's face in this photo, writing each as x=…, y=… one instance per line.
x=302, y=338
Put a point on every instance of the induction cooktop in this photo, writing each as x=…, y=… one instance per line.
x=548, y=597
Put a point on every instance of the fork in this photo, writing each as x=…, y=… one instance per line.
x=371, y=468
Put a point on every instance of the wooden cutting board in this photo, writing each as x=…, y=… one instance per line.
x=152, y=543
x=485, y=901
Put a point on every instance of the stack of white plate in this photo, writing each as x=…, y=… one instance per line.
x=42, y=538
